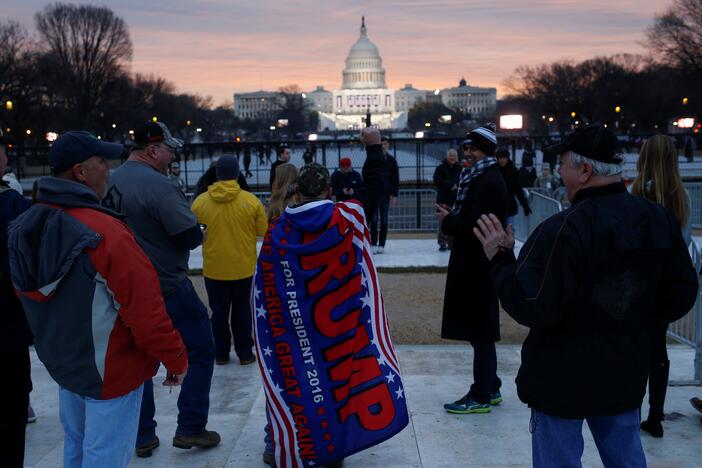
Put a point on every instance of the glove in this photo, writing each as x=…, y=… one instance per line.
x=527, y=210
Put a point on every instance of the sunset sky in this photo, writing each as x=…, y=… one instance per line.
x=216, y=48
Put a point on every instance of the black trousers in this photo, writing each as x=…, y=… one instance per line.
x=13, y=410
x=230, y=302
x=485, y=379
x=659, y=367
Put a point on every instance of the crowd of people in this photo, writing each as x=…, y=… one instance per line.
x=95, y=276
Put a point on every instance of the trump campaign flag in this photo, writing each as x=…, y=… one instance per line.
x=330, y=373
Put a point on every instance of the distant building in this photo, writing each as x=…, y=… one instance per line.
x=258, y=105
x=363, y=90
x=407, y=97
x=321, y=100
x=470, y=99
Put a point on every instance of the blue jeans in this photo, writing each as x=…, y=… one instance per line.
x=230, y=302
x=98, y=432
x=381, y=209
x=189, y=316
x=557, y=442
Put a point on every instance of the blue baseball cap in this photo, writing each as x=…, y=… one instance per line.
x=74, y=147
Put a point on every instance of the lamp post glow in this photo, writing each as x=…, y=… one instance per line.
x=617, y=109
x=154, y=119
x=685, y=101
x=573, y=114
x=512, y=122
x=9, y=105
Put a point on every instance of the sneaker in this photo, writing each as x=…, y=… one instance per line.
x=443, y=248
x=374, y=249
x=145, y=450
x=246, y=362
x=31, y=417
x=696, y=403
x=205, y=439
x=495, y=399
x=269, y=458
x=467, y=405
x=653, y=427
x=381, y=249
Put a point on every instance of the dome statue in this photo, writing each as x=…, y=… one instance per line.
x=364, y=66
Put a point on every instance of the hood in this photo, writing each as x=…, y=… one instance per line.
x=62, y=192
x=311, y=216
x=43, y=243
x=224, y=191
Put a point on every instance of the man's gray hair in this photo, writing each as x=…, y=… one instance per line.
x=599, y=168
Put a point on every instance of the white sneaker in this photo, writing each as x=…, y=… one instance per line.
x=381, y=249
x=374, y=249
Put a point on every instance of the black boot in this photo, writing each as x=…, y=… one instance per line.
x=657, y=387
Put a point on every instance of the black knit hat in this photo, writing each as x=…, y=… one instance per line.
x=483, y=138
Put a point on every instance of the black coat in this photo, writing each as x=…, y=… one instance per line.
x=514, y=189
x=589, y=282
x=445, y=179
x=393, y=176
x=527, y=177
x=471, y=310
x=345, y=180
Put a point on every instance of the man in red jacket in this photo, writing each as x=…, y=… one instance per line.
x=93, y=302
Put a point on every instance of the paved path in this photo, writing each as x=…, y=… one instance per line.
x=433, y=374
x=399, y=253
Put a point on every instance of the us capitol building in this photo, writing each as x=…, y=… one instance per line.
x=363, y=89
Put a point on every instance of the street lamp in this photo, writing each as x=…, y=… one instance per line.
x=573, y=114
x=685, y=101
x=29, y=132
x=154, y=119
x=114, y=125
x=550, y=120
x=9, y=105
x=188, y=123
x=617, y=109
x=427, y=124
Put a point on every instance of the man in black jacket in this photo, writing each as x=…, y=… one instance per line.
x=446, y=177
x=284, y=155
x=384, y=200
x=471, y=311
x=345, y=181
x=514, y=188
x=587, y=283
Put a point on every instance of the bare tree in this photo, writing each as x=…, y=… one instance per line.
x=676, y=36
x=90, y=45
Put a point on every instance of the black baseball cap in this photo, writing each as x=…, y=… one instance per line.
x=74, y=147
x=155, y=132
x=593, y=142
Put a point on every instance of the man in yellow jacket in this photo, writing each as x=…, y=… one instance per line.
x=233, y=219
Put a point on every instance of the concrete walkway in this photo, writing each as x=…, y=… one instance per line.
x=399, y=253
x=433, y=375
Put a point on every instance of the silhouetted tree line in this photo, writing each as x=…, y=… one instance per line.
x=633, y=93
x=74, y=73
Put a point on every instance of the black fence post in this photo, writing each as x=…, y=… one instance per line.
x=419, y=184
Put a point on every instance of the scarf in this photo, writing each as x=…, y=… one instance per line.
x=467, y=175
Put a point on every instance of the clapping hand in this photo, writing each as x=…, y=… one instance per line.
x=493, y=237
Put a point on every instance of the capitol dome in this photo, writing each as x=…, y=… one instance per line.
x=364, y=67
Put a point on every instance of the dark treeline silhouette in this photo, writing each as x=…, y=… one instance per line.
x=632, y=93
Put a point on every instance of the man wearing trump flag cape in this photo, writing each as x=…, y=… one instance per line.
x=330, y=374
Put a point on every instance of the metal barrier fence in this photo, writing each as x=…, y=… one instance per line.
x=694, y=189
x=688, y=330
x=542, y=208
x=414, y=210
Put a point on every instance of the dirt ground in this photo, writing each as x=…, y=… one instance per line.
x=413, y=302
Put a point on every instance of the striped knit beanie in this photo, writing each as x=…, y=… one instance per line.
x=483, y=138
